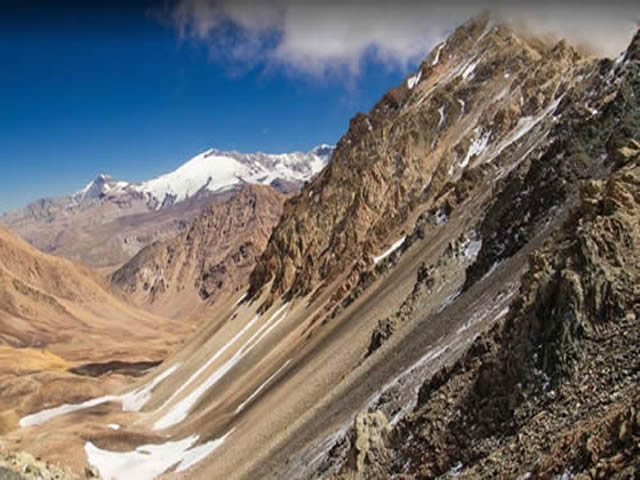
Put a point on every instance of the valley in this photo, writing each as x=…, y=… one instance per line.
x=452, y=291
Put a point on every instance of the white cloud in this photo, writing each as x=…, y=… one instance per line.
x=324, y=37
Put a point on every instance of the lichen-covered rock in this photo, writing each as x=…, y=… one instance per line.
x=23, y=466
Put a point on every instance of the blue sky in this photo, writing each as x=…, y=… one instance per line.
x=135, y=88
x=82, y=92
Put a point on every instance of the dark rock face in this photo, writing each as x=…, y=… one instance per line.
x=553, y=388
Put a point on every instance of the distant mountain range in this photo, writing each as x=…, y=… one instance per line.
x=213, y=171
x=110, y=220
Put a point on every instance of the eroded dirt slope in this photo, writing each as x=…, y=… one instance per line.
x=56, y=315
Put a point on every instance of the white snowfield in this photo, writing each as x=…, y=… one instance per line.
x=131, y=402
x=149, y=461
x=214, y=171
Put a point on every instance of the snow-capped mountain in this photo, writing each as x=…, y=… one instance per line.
x=218, y=171
x=110, y=220
x=102, y=186
x=215, y=171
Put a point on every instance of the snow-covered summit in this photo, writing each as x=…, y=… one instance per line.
x=100, y=187
x=218, y=171
x=213, y=171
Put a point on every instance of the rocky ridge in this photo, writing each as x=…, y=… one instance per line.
x=209, y=261
x=485, y=96
x=552, y=388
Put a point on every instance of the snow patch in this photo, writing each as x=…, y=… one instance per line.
x=132, y=401
x=199, y=453
x=149, y=461
x=477, y=147
x=441, y=216
x=442, y=117
x=181, y=409
x=436, y=59
x=449, y=300
x=468, y=71
x=43, y=416
x=413, y=80
x=524, y=126
x=472, y=250
x=261, y=387
x=240, y=300
x=113, y=426
x=206, y=365
x=389, y=251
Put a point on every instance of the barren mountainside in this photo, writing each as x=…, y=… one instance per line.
x=454, y=296
x=485, y=95
x=207, y=263
x=56, y=316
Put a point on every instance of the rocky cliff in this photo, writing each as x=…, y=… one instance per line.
x=551, y=390
x=486, y=97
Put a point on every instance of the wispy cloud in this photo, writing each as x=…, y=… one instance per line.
x=322, y=38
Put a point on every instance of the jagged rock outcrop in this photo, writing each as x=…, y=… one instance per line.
x=370, y=431
x=484, y=98
x=23, y=466
x=210, y=260
x=552, y=389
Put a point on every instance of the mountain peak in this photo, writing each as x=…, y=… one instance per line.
x=633, y=52
x=323, y=150
x=487, y=89
x=217, y=171
x=103, y=185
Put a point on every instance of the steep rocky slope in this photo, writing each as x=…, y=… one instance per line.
x=553, y=388
x=484, y=96
x=109, y=221
x=414, y=314
x=208, y=262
